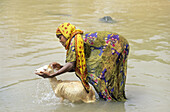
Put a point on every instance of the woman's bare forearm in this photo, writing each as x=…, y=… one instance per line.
x=68, y=67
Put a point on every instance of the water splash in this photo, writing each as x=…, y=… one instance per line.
x=44, y=95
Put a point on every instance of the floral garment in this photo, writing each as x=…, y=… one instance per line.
x=106, y=58
x=69, y=31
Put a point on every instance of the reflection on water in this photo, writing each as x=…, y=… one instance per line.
x=27, y=36
x=20, y=81
x=44, y=97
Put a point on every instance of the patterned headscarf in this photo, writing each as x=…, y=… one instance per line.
x=69, y=31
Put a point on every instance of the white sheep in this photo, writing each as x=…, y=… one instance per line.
x=70, y=90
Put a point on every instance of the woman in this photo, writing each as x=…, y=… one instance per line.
x=98, y=58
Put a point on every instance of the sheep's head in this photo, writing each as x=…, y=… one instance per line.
x=45, y=68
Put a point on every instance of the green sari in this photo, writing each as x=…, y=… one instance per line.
x=106, y=58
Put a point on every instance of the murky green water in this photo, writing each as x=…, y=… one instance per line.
x=27, y=37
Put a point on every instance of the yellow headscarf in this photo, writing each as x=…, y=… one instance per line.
x=69, y=31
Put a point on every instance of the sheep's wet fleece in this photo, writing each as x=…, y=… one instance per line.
x=66, y=89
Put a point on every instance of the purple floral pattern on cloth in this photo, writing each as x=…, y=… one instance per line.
x=90, y=37
x=112, y=39
x=107, y=64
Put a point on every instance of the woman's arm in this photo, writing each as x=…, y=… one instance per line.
x=57, y=66
x=68, y=67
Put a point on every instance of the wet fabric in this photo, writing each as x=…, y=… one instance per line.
x=106, y=58
x=69, y=31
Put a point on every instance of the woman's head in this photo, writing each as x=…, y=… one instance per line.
x=66, y=31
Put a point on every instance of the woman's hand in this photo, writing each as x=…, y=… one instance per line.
x=68, y=67
x=56, y=65
x=45, y=74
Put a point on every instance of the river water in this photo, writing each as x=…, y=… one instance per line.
x=27, y=37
